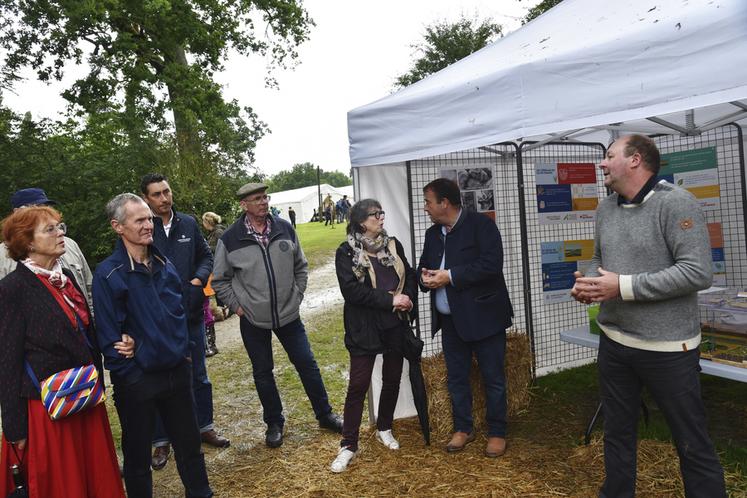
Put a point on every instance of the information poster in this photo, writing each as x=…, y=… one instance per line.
x=696, y=171
x=477, y=188
x=559, y=261
x=566, y=192
x=717, y=254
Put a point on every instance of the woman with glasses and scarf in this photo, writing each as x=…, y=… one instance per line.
x=45, y=324
x=380, y=289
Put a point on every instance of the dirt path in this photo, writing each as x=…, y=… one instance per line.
x=322, y=293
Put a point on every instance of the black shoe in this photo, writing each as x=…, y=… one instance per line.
x=332, y=422
x=160, y=457
x=274, y=436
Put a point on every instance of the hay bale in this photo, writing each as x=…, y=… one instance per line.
x=518, y=368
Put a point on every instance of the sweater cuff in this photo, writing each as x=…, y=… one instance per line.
x=626, y=287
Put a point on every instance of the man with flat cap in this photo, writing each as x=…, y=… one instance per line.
x=73, y=258
x=260, y=273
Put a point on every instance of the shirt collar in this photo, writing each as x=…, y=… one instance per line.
x=641, y=195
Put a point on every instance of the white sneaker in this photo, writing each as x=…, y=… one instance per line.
x=344, y=457
x=387, y=439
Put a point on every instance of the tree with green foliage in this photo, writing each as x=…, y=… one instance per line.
x=304, y=175
x=83, y=165
x=148, y=57
x=445, y=43
x=540, y=9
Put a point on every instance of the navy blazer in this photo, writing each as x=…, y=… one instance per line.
x=478, y=297
x=188, y=250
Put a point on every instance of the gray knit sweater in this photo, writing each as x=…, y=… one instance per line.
x=661, y=250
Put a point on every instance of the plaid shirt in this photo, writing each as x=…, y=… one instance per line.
x=263, y=237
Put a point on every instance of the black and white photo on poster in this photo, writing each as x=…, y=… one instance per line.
x=468, y=201
x=475, y=179
x=485, y=200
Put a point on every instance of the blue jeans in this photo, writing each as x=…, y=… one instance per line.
x=202, y=389
x=490, y=355
x=168, y=394
x=673, y=379
x=258, y=344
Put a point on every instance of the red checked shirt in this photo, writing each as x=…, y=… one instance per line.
x=262, y=237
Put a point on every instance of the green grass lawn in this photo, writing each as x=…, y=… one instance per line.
x=319, y=243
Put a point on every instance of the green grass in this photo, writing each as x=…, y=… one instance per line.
x=319, y=243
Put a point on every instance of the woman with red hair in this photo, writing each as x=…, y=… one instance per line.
x=45, y=324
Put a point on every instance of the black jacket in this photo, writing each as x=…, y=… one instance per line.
x=478, y=298
x=188, y=250
x=33, y=327
x=368, y=311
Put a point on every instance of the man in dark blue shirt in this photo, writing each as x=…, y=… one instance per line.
x=178, y=237
x=138, y=291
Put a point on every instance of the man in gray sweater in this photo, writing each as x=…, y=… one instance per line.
x=651, y=257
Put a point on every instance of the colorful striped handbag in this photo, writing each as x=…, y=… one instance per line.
x=70, y=391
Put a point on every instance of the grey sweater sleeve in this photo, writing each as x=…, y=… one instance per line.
x=684, y=229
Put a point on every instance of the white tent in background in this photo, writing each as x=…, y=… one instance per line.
x=584, y=71
x=305, y=200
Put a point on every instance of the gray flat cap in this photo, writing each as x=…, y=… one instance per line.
x=250, y=188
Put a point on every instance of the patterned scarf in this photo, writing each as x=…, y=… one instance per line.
x=362, y=244
x=54, y=276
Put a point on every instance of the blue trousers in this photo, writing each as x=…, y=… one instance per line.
x=490, y=354
x=202, y=389
x=258, y=344
x=673, y=379
x=168, y=394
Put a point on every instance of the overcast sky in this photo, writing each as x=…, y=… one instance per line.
x=353, y=56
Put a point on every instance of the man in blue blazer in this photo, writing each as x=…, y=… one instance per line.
x=462, y=264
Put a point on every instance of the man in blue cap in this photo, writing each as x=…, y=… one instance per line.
x=72, y=259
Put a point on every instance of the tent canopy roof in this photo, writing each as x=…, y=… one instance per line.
x=582, y=66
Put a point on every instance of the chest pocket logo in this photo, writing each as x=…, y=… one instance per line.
x=284, y=246
x=184, y=239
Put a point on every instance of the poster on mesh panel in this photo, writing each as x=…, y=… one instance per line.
x=566, y=192
x=696, y=171
x=560, y=259
x=716, y=236
x=477, y=188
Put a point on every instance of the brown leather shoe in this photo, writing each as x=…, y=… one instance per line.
x=459, y=440
x=214, y=439
x=160, y=457
x=496, y=447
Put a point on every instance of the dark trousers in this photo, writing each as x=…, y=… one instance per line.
x=202, y=389
x=361, y=368
x=673, y=379
x=258, y=344
x=490, y=354
x=169, y=394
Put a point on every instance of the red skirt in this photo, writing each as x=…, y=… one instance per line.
x=72, y=457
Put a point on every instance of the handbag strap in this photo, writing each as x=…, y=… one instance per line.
x=30, y=371
x=32, y=376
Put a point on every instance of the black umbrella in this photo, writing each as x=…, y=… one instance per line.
x=413, y=349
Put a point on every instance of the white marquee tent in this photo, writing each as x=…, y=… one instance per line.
x=582, y=67
x=585, y=71
x=305, y=200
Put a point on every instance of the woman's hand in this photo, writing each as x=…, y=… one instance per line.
x=402, y=302
x=20, y=444
x=126, y=347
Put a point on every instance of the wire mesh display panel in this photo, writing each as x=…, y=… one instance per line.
x=500, y=162
x=730, y=209
x=549, y=317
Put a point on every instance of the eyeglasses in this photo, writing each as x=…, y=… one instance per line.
x=377, y=214
x=258, y=200
x=52, y=229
